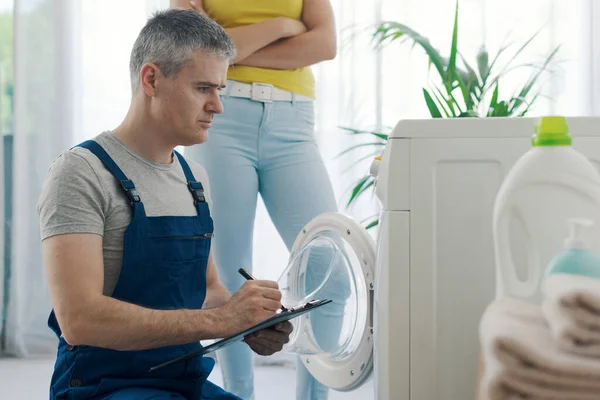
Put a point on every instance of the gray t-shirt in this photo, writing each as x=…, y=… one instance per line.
x=80, y=195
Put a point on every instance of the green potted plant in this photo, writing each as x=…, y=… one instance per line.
x=457, y=88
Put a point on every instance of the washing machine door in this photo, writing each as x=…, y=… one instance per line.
x=333, y=258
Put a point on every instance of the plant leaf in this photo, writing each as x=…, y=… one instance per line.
x=524, y=112
x=389, y=31
x=515, y=55
x=501, y=110
x=482, y=60
x=463, y=90
x=485, y=77
x=518, y=100
x=472, y=77
x=524, y=46
x=363, y=185
x=538, y=67
x=433, y=109
x=455, y=103
x=440, y=101
x=372, y=224
x=450, y=100
x=465, y=83
x=494, y=101
x=357, y=146
x=448, y=103
x=382, y=136
x=451, y=70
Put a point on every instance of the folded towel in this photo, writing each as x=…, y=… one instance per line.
x=572, y=307
x=522, y=360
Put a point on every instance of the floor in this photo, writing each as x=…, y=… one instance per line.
x=28, y=379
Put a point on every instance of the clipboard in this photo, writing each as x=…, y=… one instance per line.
x=290, y=313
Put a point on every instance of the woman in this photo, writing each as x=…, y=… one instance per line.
x=264, y=143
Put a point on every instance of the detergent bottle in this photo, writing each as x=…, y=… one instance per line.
x=576, y=258
x=550, y=184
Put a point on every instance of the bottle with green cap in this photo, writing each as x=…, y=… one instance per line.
x=550, y=184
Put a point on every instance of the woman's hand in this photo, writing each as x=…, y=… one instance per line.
x=291, y=27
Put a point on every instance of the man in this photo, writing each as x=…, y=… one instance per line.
x=126, y=231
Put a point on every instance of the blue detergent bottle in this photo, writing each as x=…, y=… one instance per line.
x=576, y=258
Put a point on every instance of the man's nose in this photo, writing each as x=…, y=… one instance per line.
x=214, y=105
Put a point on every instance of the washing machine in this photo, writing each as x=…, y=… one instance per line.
x=407, y=306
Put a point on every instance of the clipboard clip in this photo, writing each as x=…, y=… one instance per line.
x=308, y=304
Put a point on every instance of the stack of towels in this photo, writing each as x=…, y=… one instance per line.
x=549, y=352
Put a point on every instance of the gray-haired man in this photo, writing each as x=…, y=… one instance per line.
x=126, y=234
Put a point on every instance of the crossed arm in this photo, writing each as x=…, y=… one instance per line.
x=277, y=43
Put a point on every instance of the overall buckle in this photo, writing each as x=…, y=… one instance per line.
x=197, y=192
x=129, y=189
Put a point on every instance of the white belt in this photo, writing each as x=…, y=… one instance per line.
x=260, y=92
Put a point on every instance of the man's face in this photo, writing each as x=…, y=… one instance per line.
x=185, y=104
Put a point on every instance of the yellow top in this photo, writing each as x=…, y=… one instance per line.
x=234, y=13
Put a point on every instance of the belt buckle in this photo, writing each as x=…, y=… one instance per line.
x=262, y=92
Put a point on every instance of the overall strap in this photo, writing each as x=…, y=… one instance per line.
x=197, y=192
x=126, y=184
x=194, y=186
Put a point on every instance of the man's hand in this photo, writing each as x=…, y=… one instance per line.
x=270, y=341
x=254, y=302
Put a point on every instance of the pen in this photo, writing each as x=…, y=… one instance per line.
x=249, y=277
x=246, y=275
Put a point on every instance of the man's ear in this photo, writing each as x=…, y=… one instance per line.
x=149, y=76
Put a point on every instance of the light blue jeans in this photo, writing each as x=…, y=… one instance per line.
x=266, y=148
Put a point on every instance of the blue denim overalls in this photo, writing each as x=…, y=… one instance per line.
x=164, y=267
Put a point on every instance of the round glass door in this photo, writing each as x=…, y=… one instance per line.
x=333, y=259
